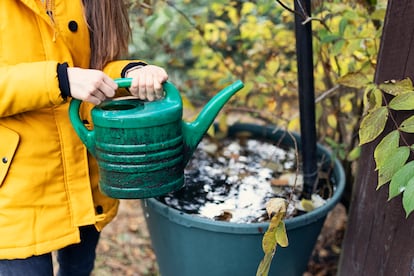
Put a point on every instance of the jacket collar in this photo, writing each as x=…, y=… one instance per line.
x=36, y=7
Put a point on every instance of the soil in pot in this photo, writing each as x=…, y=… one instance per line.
x=232, y=179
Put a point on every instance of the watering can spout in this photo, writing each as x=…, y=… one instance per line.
x=194, y=131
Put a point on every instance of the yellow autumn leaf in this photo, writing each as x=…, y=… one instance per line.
x=346, y=105
x=281, y=235
x=233, y=15
x=223, y=36
x=211, y=32
x=220, y=24
x=271, y=105
x=218, y=9
x=269, y=238
x=307, y=204
x=275, y=234
x=247, y=8
x=332, y=120
x=355, y=80
x=372, y=125
x=396, y=88
x=294, y=124
x=273, y=65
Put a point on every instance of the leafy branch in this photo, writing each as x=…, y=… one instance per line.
x=392, y=154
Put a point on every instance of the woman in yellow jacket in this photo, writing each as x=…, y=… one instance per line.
x=52, y=51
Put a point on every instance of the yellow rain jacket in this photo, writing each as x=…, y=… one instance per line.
x=48, y=181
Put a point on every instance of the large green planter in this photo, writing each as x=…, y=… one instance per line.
x=189, y=245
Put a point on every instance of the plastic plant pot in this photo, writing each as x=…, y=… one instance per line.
x=190, y=245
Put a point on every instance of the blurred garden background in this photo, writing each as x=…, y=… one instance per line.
x=206, y=45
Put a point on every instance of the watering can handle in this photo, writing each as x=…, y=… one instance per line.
x=171, y=92
x=88, y=136
x=123, y=82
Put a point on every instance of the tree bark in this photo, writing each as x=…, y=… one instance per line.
x=379, y=239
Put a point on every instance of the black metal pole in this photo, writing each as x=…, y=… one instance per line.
x=304, y=54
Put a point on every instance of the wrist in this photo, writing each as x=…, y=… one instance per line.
x=130, y=67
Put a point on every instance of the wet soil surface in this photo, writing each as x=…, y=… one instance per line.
x=234, y=179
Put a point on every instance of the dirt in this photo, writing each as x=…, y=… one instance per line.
x=125, y=245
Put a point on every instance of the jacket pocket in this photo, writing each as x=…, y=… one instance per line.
x=8, y=146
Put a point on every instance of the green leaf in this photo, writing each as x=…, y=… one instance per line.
x=378, y=14
x=402, y=102
x=392, y=163
x=387, y=145
x=330, y=38
x=350, y=14
x=338, y=47
x=407, y=125
x=373, y=124
x=397, y=87
x=400, y=179
x=342, y=26
x=261, y=79
x=354, y=80
x=353, y=46
x=375, y=98
x=354, y=154
x=408, y=198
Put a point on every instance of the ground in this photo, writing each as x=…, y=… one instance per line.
x=125, y=246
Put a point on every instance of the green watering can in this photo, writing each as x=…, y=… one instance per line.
x=142, y=147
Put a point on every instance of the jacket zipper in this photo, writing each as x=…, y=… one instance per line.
x=49, y=6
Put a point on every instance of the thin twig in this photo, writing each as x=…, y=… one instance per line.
x=324, y=95
x=306, y=17
x=290, y=10
x=304, y=12
x=327, y=93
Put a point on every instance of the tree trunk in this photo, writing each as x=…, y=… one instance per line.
x=379, y=239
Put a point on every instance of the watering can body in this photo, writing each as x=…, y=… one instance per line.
x=143, y=147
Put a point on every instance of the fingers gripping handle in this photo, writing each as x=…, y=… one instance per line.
x=87, y=136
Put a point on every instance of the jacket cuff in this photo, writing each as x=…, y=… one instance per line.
x=62, y=74
x=130, y=66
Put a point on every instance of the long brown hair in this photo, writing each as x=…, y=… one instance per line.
x=110, y=31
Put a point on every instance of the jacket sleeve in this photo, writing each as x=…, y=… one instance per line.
x=114, y=68
x=28, y=86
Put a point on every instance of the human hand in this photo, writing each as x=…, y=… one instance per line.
x=90, y=85
x=147, y=82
